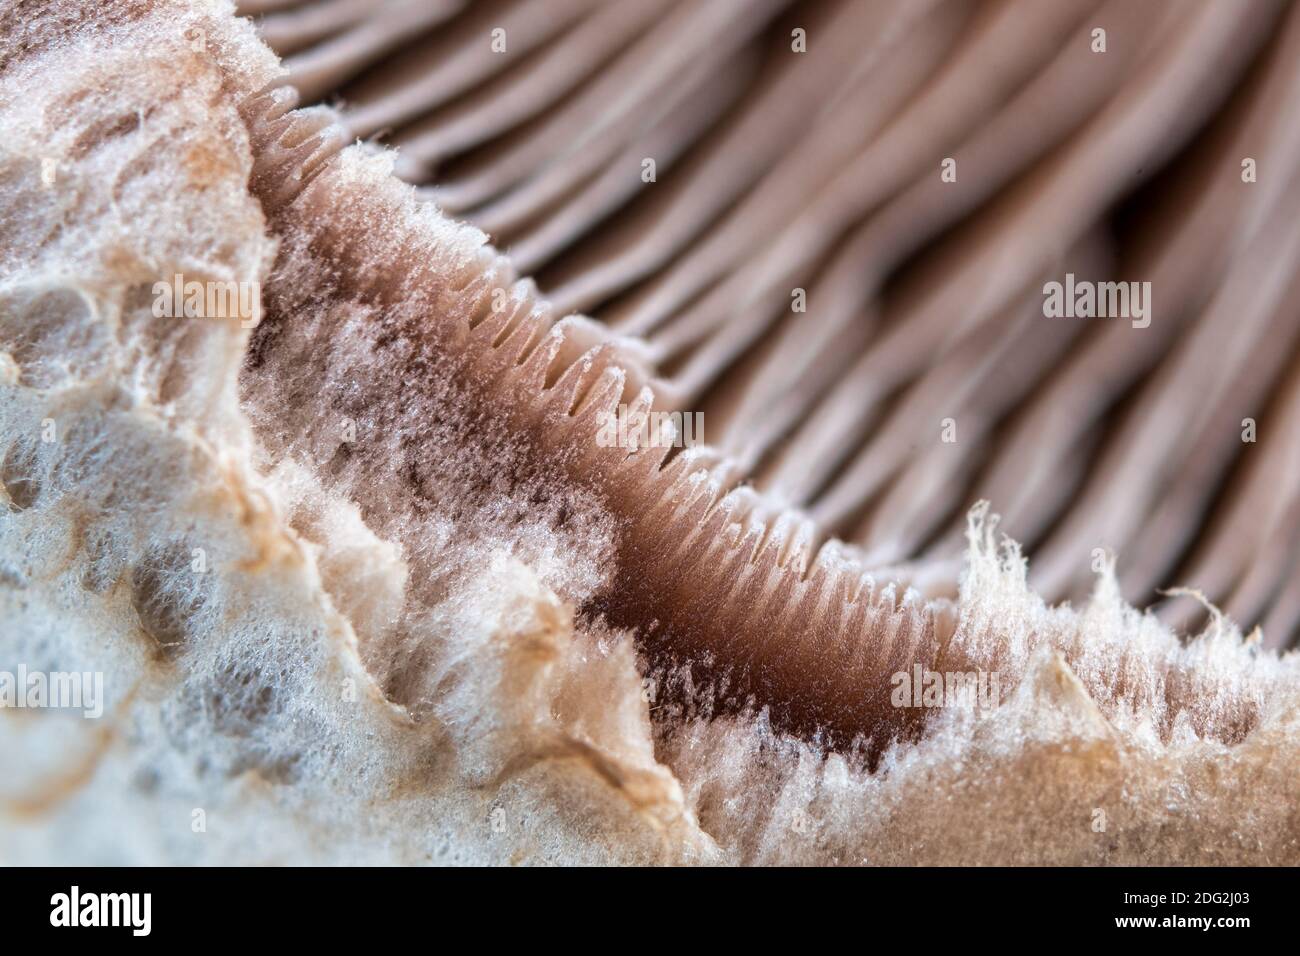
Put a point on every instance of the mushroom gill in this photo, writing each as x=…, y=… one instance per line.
x=813, y=174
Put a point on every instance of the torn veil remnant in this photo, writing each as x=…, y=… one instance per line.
x=424, y=568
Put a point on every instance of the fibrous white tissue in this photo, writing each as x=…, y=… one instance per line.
x=310, y=656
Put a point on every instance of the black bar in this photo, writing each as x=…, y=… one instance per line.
x=367, y=906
